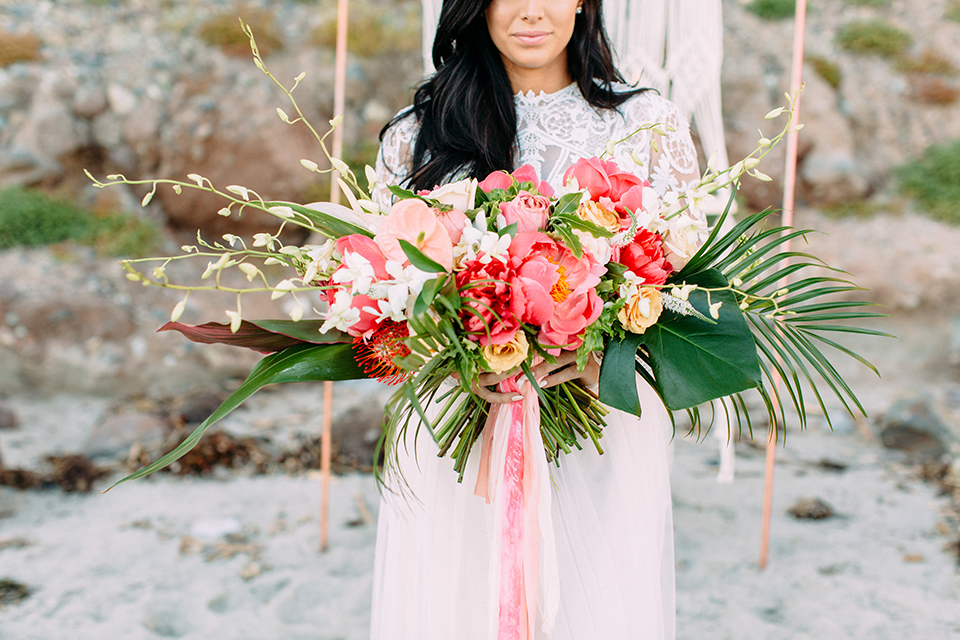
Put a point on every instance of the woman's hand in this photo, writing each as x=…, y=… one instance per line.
x=547, y=374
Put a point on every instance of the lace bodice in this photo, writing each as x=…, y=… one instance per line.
x=555, y=130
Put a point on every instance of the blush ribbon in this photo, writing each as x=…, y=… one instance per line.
x=515, y=479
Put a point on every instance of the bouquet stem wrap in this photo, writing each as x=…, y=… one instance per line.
x=514, y=477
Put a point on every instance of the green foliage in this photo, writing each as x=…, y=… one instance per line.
x=826, y=69
x=934, y=181
x=854, y=209
x=17, y=47
x=30, y=218
x=772, y=9
x=224, y=31
x=372, y=33
x=873, y=37
x=930, y=61
x=952, y=12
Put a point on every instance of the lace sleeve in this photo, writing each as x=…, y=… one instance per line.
x=394, y=157
x=673, y=163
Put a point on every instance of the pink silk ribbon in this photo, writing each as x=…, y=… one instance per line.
x=515, y=479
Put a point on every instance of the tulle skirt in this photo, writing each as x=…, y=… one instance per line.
x=614, y=534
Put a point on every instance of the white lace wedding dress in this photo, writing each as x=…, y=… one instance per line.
x=612, y=512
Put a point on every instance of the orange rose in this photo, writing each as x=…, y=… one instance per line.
x=641, y=310
x=599, y=215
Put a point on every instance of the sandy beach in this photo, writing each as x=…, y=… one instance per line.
x=235, y=555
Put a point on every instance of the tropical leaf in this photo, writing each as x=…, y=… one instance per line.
x=618, y=385
x=300, y=363
x=264, y=336
x=336, y=222
x=696, y=361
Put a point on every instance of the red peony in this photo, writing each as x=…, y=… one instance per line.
x=644, y=257
x=486, y=312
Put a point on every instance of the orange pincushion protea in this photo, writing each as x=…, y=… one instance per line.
x=376, y=352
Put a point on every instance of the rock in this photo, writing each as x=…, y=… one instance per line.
x=198, y=406
x=915, y=426
x=122, y=101
x=355, y=433
x=811, y=509
x=12, y=592
x=89, y=101
x=231, y=139
x=8, y=419
x=115, y=436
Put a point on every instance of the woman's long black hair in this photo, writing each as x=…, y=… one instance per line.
x=466, y=115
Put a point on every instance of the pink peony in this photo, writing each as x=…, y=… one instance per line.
x=504, y=180
x=644, y=257
x=412, y=220
x=496, y=180
x=526, y=173
x=592, y=174
x=530, y=212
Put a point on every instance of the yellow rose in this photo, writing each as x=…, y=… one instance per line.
x=503, y=357
x=599, y=215
x=641, y=310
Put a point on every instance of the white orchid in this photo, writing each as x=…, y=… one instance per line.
x=358, y=271
x=341, y=315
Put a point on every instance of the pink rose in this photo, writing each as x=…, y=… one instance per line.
x=412, y=220
x=504, y=180
x=530, y=212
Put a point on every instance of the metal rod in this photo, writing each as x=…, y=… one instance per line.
x=789, y=194
x=339, y=85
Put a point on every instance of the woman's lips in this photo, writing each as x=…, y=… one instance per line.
x=531, y=38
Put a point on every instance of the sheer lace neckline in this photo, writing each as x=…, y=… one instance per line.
x=543, y=96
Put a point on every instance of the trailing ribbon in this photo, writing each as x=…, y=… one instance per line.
x=515, y=479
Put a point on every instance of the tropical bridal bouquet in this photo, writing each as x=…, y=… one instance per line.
x=500, y=274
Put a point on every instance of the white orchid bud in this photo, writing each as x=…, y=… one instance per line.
x=309, y=164
x=178, y=310
x=773, y=114
x=239, y=190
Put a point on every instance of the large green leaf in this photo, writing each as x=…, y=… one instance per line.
x=696, y=361
x=618, y=382
x=300, y=363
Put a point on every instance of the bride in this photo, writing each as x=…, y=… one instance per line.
x=532, y=82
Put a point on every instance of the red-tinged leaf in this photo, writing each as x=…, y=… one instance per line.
x=264, y=336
